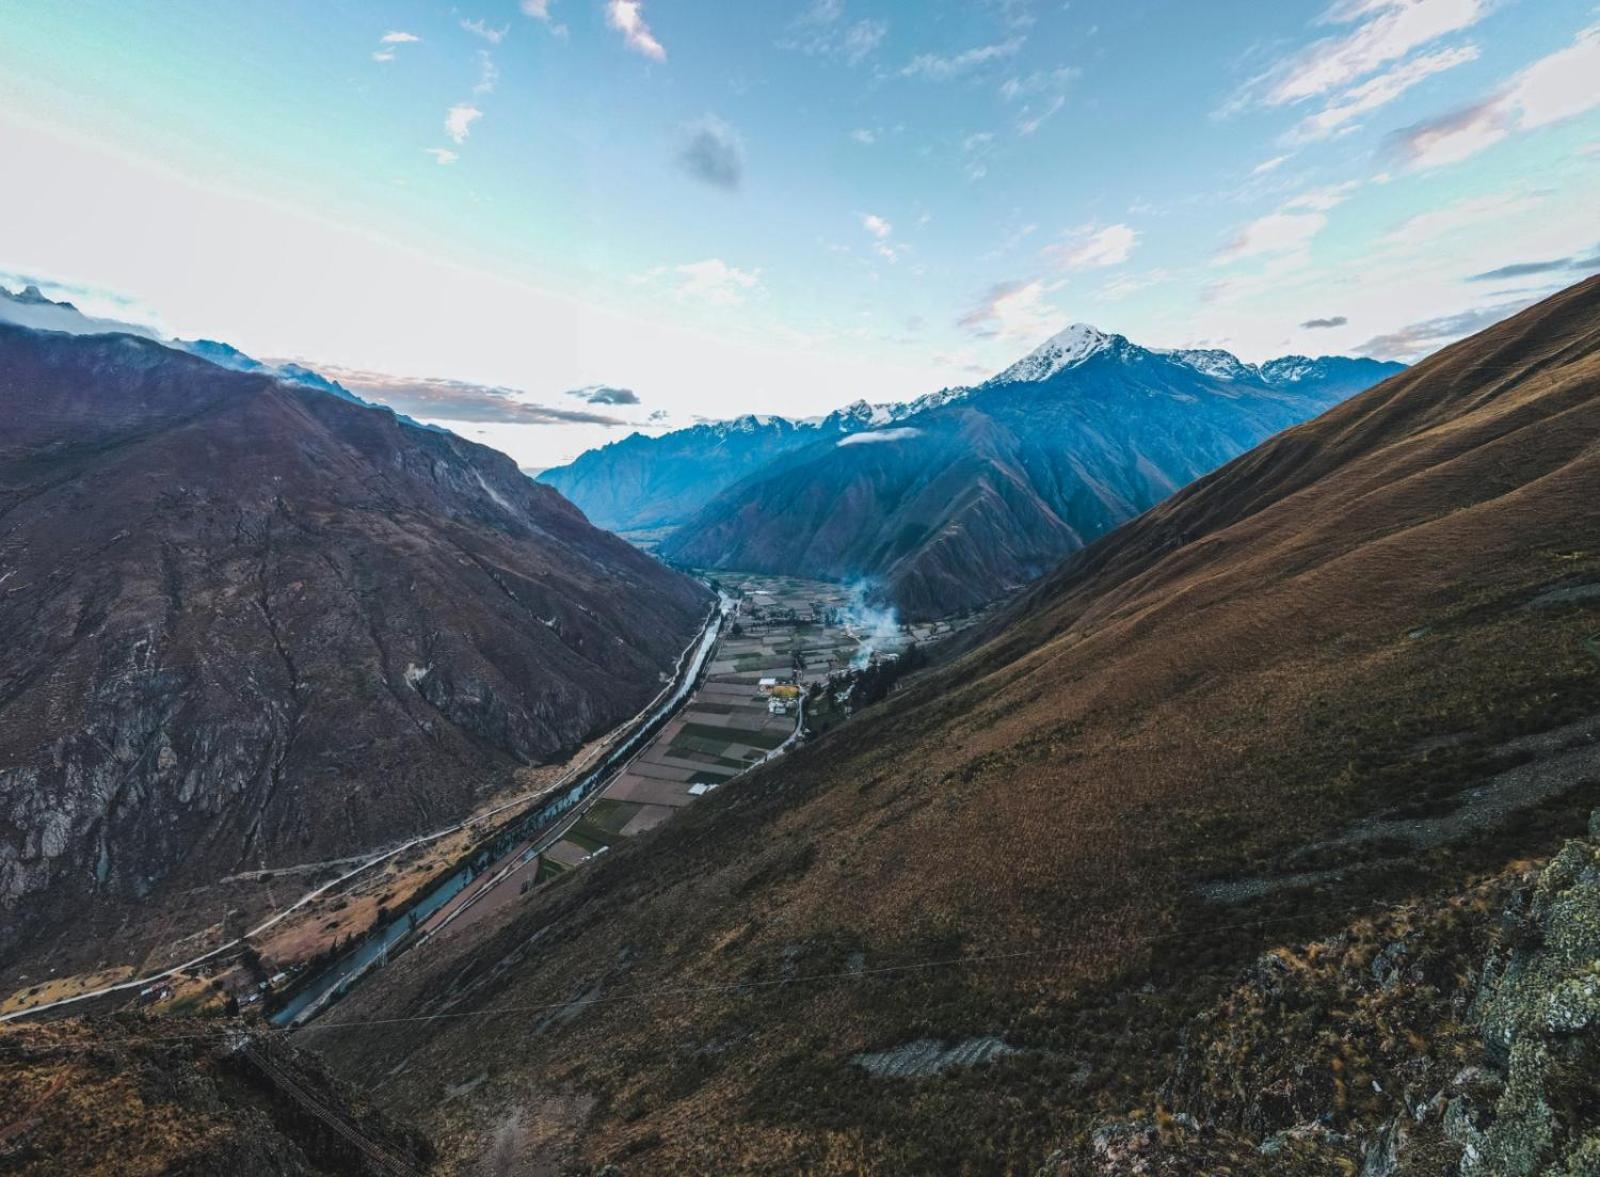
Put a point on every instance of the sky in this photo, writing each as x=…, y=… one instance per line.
x=548, y=223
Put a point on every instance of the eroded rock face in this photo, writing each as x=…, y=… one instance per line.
x=248, y=624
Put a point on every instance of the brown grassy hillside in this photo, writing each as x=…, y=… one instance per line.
x=1350, y=667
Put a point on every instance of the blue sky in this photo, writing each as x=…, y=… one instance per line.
x=785, y=205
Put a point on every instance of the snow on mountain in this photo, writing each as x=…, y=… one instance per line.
x=1065, y=349
x=1214, y=362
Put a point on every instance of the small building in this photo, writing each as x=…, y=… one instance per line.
x=766, y=685
x=777, y=706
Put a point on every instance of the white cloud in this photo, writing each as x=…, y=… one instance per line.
x=1321, y=200
x=1013, y=311
x=821, y=30
x=442, y=155
x=1275, y=233
x=1125, y=285
x=538, y=9
x=1094, y=248
x=1551, y=90
x=937, y=67
x=1378, y=91
x=627, y=17
x=863, y=136
x=481, y=28
x=488, y=75
x=1051, y=81
x=900, y=433
x=458, y=121
x=388, y=42
x=1269, y=165
x=1428, y=227
x=714, y=281
x=1032, y=120
x=1388, y=31
x=876, y=225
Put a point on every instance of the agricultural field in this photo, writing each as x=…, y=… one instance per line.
x=797, y=632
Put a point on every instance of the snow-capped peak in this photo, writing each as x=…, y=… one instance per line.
x=1065, y=349
x=1213, y=361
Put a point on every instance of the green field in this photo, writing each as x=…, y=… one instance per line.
x=733, y=735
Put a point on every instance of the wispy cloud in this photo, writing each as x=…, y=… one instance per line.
x=939, y=67
x=1094, y=248
x=1383, y=31
x=442, y=155
x=437, y=398
x=712, y=281
x=1551, y=90
x=822, y=31
x=1275, y=233
x=899, y=433
x=627, y=17
x=876, y=225
x=713, y=152
x=1013, y=311
x=1379, y=91
x=1426, y=228
x=1325, y=324
x=540, y=10
x=390, y=41
x=1413, y=342
x=458, y=121
x=863, y=136
x=1560, y=265
x=488, y=73
x=481, y=28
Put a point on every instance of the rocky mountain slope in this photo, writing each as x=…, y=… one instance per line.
x=115, y=1097
x=645, y=483
x=250, y=624
x=1012, y=919
x=957, y=505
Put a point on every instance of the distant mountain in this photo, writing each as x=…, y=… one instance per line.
x=953, y=504
x=642, y=482
x=247, y=623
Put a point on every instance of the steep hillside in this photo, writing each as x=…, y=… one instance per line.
x=955, y=506
x=124, y=1096
x=973, y=928
x=249, y=624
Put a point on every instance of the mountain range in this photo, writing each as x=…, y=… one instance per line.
x=645, y=483
x=1254, y=838
x=957, y=499
x=252, y=622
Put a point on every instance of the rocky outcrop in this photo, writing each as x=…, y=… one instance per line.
x=1456, y=1037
